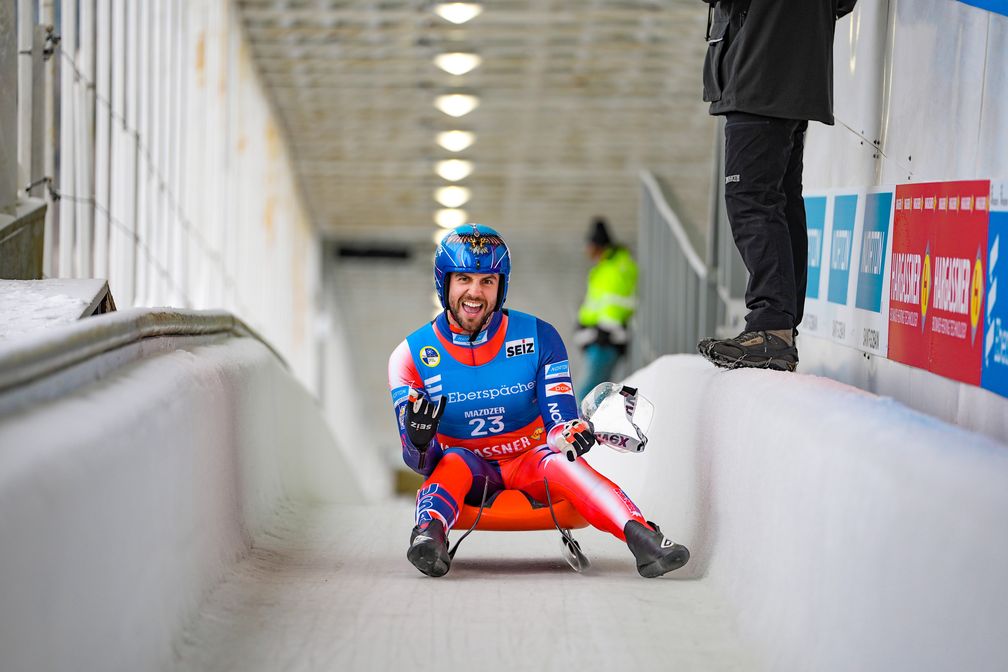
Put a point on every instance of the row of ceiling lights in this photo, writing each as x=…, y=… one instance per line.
x=453, y=197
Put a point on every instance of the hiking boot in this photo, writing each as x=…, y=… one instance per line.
x=704, y=345
x=753, y=349
x=428, y=549
x=656, y=554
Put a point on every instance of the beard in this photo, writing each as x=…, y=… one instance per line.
x=471, y=324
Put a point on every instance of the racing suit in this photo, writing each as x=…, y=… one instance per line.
x=508, y=392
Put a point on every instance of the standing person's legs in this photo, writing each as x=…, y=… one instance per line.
x=795, y=212
x=757, y=154
x=758, y=163
x=600, y=360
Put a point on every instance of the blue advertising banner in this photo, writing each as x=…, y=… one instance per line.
x=815, y=217
x=994, y=372
x=844, y=218
x=997, y=6
x=870, y=321
x=878, y=211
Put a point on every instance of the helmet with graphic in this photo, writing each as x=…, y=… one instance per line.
x=472, y=248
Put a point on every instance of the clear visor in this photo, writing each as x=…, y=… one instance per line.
x=620, y=415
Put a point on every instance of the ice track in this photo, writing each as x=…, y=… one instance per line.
x=329, y=588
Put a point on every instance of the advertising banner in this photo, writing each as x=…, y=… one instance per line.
x=870, y=322
x=816, y=318
x=841, y=251
x=937, y=277
x=995, y=345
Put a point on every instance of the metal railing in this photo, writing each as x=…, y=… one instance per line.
x=677, y=297
x=683, y=296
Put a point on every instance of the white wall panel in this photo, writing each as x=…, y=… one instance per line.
x=993, y=156
x=843, y=155
x=931, y=126
x=181, y=169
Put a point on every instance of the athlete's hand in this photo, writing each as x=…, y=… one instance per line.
x=422, y=418
x=576, y=438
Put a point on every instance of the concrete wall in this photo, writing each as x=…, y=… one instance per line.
x=122, y=504
x=848, y=532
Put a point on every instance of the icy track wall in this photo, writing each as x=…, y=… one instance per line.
x=122, y=503
x=849, y=532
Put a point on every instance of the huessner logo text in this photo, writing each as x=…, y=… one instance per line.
x=952, y=285
x=871, y=253
x=906, y=275
x=492, y=393
x=840, y=260
x=515, y=446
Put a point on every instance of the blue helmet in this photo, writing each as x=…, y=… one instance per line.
x=472, y=248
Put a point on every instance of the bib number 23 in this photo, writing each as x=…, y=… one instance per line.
x=492, y=424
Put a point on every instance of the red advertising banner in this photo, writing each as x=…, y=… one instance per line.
x=936, y=288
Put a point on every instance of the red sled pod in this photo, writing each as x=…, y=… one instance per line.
x=514, y=511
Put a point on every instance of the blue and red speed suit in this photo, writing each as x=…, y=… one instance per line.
x=508, y=394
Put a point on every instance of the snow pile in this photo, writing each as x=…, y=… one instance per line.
x=850, y=532
x=27, y=306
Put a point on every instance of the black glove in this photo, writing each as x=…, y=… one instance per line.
x=577, y=437
x=422, y=418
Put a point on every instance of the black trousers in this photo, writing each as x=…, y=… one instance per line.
x=763, y=197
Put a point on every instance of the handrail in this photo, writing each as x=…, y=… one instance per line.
x=678, y=301
x=669, y=215
x=27, y=359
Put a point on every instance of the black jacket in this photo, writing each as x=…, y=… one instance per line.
x=772, y=57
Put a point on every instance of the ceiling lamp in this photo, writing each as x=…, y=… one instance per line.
x=458, y=12
x=453, y=196
x=456, y=141
x=437, y=237
x=456, y=104
x=457, y=62
x=454, y=170
x=449, y=218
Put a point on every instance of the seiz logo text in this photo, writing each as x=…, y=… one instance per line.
x=525, y=346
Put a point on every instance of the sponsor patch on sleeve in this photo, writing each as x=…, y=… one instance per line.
x=399, y=394
x=558, y=370
x=554, y=389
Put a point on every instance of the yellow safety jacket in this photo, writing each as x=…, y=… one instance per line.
x=609, y=300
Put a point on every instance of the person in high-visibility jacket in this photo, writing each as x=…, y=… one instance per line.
x=609, y=303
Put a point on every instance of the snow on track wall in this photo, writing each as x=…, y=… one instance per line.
x=849, y=532
x=123, y=503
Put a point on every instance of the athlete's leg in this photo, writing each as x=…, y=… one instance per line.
x=599, y=500
x=458, y=477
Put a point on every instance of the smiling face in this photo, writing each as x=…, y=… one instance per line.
x=471, y=299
